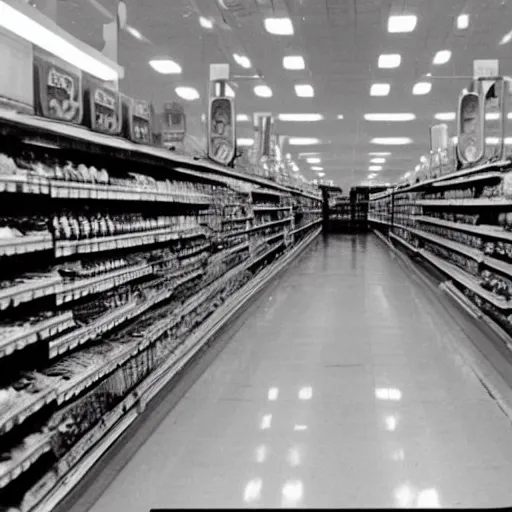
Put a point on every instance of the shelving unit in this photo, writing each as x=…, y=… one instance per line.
x=110, y=279
x=460, y=224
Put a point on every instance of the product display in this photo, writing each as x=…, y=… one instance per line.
x=120, y=264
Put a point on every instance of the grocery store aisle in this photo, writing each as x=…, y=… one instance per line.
x=341, y=390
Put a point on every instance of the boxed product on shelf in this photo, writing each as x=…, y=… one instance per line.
x=138, y=119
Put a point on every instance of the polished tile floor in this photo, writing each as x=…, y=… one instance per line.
x=341, y=390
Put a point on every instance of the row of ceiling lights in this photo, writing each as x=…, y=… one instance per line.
x=403, y=24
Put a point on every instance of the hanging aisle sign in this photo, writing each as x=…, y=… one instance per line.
x=221, y=134
x=470, y=147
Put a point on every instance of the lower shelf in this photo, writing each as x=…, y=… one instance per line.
x=484, y=308
x=58, y=482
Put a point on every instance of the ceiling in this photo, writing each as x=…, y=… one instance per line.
x=340, y=41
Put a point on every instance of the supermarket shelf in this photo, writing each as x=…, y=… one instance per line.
x=93, y=445
x=273, y=237
x=404, y=243
x=25, y=244
x=270, y=208
x=69, y=136
x=76, y=190
x=194, y=251
x=378, y=221
x=23, y=456
x=22, y=184
x=457, y=174
x=232, y=250
x=468, y=179
x=311, y=224
x=92, y=331
x=241, y=219
x=469, y=252
x=103, y=282
x=481, y=201
x=40, y=331
x=24, y=409
x=262, y=256
x=114, y=318
x=482, y=230
x=469, y=282
x=28, y=291
x=123, y=241
x=269, y=224
x=266, y=192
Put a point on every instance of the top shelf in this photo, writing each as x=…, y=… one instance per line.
x=62, y=135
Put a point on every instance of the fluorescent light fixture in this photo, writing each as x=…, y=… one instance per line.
x=242, y=118
x=463, y=21
x=391, y=394
x=273, y=393
x=134, y=32
x=313, y=160
x=165, y=66
x=279, y=26
x=261, y=454
x=442, y=57
x=317, y=168
x=389, y=117
x=205, y=22
x=292, y=494
x=300, y=117
x=391, y=141
x=380, y=90
x=428, y=498
x=36, y=33
x=321, y=174
x=389, y=61
x=300, y=428
x=402, y=24
x=492, y=140
x=445, y=116
x=245, y=142
x=506, y=38
x=293, y=457
x=375, y=168
x=421, y=88
x=303, y=141
x=242, y=60
x=304, y=91
x=187, y=93
x=339, y=116
x=293, y=62
x=252, y=491
x=492, y=116
x=266, y=422
x=378, y=160
x=391, y=423
x=371, y=176
x=305, y=393
x=263, y=91
x=380, y=153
